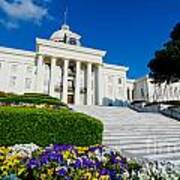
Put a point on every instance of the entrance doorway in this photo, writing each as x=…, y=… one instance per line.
x=70, y=99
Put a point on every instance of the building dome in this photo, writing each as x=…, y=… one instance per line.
x=65, y=35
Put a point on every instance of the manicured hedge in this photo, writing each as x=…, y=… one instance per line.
x=45, y=126
x=30, y=98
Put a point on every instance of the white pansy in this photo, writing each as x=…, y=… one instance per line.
x=25, y=150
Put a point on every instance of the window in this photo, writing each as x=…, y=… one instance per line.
x=13, y=81
x=110, y=79
x=128, y=94
x=14, y=68
x=28, y=83
x=120, y=91
x=29, y=70
x=70, y=84
x=119, y=81
x=142, y=92
x=109, y=88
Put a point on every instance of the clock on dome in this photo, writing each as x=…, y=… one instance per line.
x=72, y=41
x=65, y=35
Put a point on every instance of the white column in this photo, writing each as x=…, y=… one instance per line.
x=40, y=75
x=65, y=81
x=5, y=76
x=89, y=84
x=77, y=84
x=99, y=85
x=21, y=79
x=52, y=76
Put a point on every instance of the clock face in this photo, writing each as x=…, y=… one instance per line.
x=72, y=41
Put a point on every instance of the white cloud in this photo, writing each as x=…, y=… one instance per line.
x=9, y=24
x=25, y=10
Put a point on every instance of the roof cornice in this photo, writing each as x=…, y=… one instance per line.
x=116, y=67
x=18, y=52
x=80, y=49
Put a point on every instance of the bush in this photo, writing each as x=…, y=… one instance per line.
x=30, y=98
x=47, y=126
x=4, y=94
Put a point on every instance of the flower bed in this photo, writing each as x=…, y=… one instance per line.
x=71, y=162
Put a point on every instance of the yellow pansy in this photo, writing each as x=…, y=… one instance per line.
x=82, y=150
x=66, y=154
x=43, y=177
x=4, y=168
x=106, y=177
x=97, y=174
x=4, y=150
x=50, y=172
x=94, y=178
x=5, y=173
x=21, y=170
x=88, y=176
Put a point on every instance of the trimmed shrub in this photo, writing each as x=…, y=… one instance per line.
x=3, y=94
x=30, y=98
x=47, y=126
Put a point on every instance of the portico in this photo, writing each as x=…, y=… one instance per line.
x=76, y=79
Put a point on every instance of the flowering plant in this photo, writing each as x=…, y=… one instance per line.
x=73, y=163
x=11, y=163
x=77, y=162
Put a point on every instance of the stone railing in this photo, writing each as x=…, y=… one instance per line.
x=172, y=112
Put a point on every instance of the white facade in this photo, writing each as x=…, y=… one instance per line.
x=145, y=90
x=62, y=68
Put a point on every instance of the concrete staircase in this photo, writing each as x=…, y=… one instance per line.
x=142, y=135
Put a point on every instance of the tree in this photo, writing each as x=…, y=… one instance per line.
x=165, y=66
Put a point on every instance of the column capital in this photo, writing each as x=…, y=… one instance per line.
x=40, y=56
x=53, y=60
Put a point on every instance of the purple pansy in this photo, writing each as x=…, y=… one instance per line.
x=34, y=163
x=77, y=164
x=62, y=172
x=104, y=172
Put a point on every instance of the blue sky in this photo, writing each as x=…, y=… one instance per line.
x=130, y=30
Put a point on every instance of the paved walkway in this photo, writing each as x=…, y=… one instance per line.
x=144, y=135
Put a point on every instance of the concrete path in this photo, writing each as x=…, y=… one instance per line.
x=143, y=135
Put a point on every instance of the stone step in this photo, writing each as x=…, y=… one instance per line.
x=142, y=135
x=171, y=156
x=147, y=137
x=155, y=150
x=136, y=134
x=139, y=141
x=115, y=130
x=139, y=133
x=142, y=146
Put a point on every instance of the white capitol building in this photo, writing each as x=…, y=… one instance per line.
x=63, y=68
